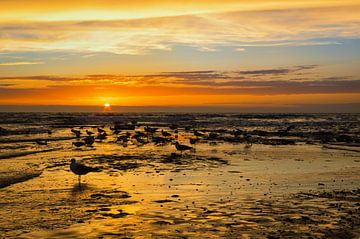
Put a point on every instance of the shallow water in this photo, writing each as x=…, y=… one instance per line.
x=222, y=188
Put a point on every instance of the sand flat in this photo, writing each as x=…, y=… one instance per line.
x=221, y=189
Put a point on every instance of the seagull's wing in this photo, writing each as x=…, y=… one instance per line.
x=84, y=168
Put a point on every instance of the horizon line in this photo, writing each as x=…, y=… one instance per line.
x=299, y=108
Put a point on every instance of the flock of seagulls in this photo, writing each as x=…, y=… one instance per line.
x=149, y=134
x=137, y=137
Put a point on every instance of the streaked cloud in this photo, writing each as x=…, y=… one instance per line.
x=240, y=49
x=20, y=63
x=204, y=31
x=291, y=80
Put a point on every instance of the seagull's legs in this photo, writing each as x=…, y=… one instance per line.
x=79, y=180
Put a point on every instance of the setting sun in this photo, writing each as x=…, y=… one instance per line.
x=107, y=105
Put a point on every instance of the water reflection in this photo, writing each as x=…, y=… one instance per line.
x=79, y=189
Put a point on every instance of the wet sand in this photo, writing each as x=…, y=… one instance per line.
x=221, y=189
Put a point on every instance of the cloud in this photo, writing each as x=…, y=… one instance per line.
x=206, y=32
x=6, y=85
x=240, y=49
x=290, y=80
x=20, y=63
x=266, y=72
x=37, y=78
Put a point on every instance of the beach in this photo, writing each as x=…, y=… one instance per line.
x=247, y=176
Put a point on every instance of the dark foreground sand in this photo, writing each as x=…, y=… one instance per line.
x=268, y=192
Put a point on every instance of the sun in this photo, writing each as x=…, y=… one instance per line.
x=107, y=107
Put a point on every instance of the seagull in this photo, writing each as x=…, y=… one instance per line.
x=193, y=140
x=122, y=138
x=81, y=169
x=139, y=140
x=247, y=146
x=165, y=134
x=159, y=140
x=101, y=136
x=100, y=130
x=248, y=142
x=89, y=140
x=41, y=142
x=76, y=132
x=182, y=147
x=150, y=129
x=198, y=133
x=78, y=144
x=89, y=132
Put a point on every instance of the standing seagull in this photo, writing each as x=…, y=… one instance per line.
x=182, y=147
x=81, y=169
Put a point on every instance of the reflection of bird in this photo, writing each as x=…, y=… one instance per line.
x=182, y=147
x=81, y=169
x=78, y=144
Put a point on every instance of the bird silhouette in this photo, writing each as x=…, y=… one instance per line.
x=193, y=140
x=182, y=147
x=78, y=144
x=165, y=133
x=76, y=132
x=89, y=140
x=81, y=169
x=41, y=142
x=198, y=133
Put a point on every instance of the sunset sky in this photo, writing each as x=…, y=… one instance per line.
x=240, y=54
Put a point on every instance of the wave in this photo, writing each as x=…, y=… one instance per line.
x=6, y=181
x=24, y=153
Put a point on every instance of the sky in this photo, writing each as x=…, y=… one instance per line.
x=237, y=55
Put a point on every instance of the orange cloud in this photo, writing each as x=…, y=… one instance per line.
x=205, y=31
x=277, y=86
